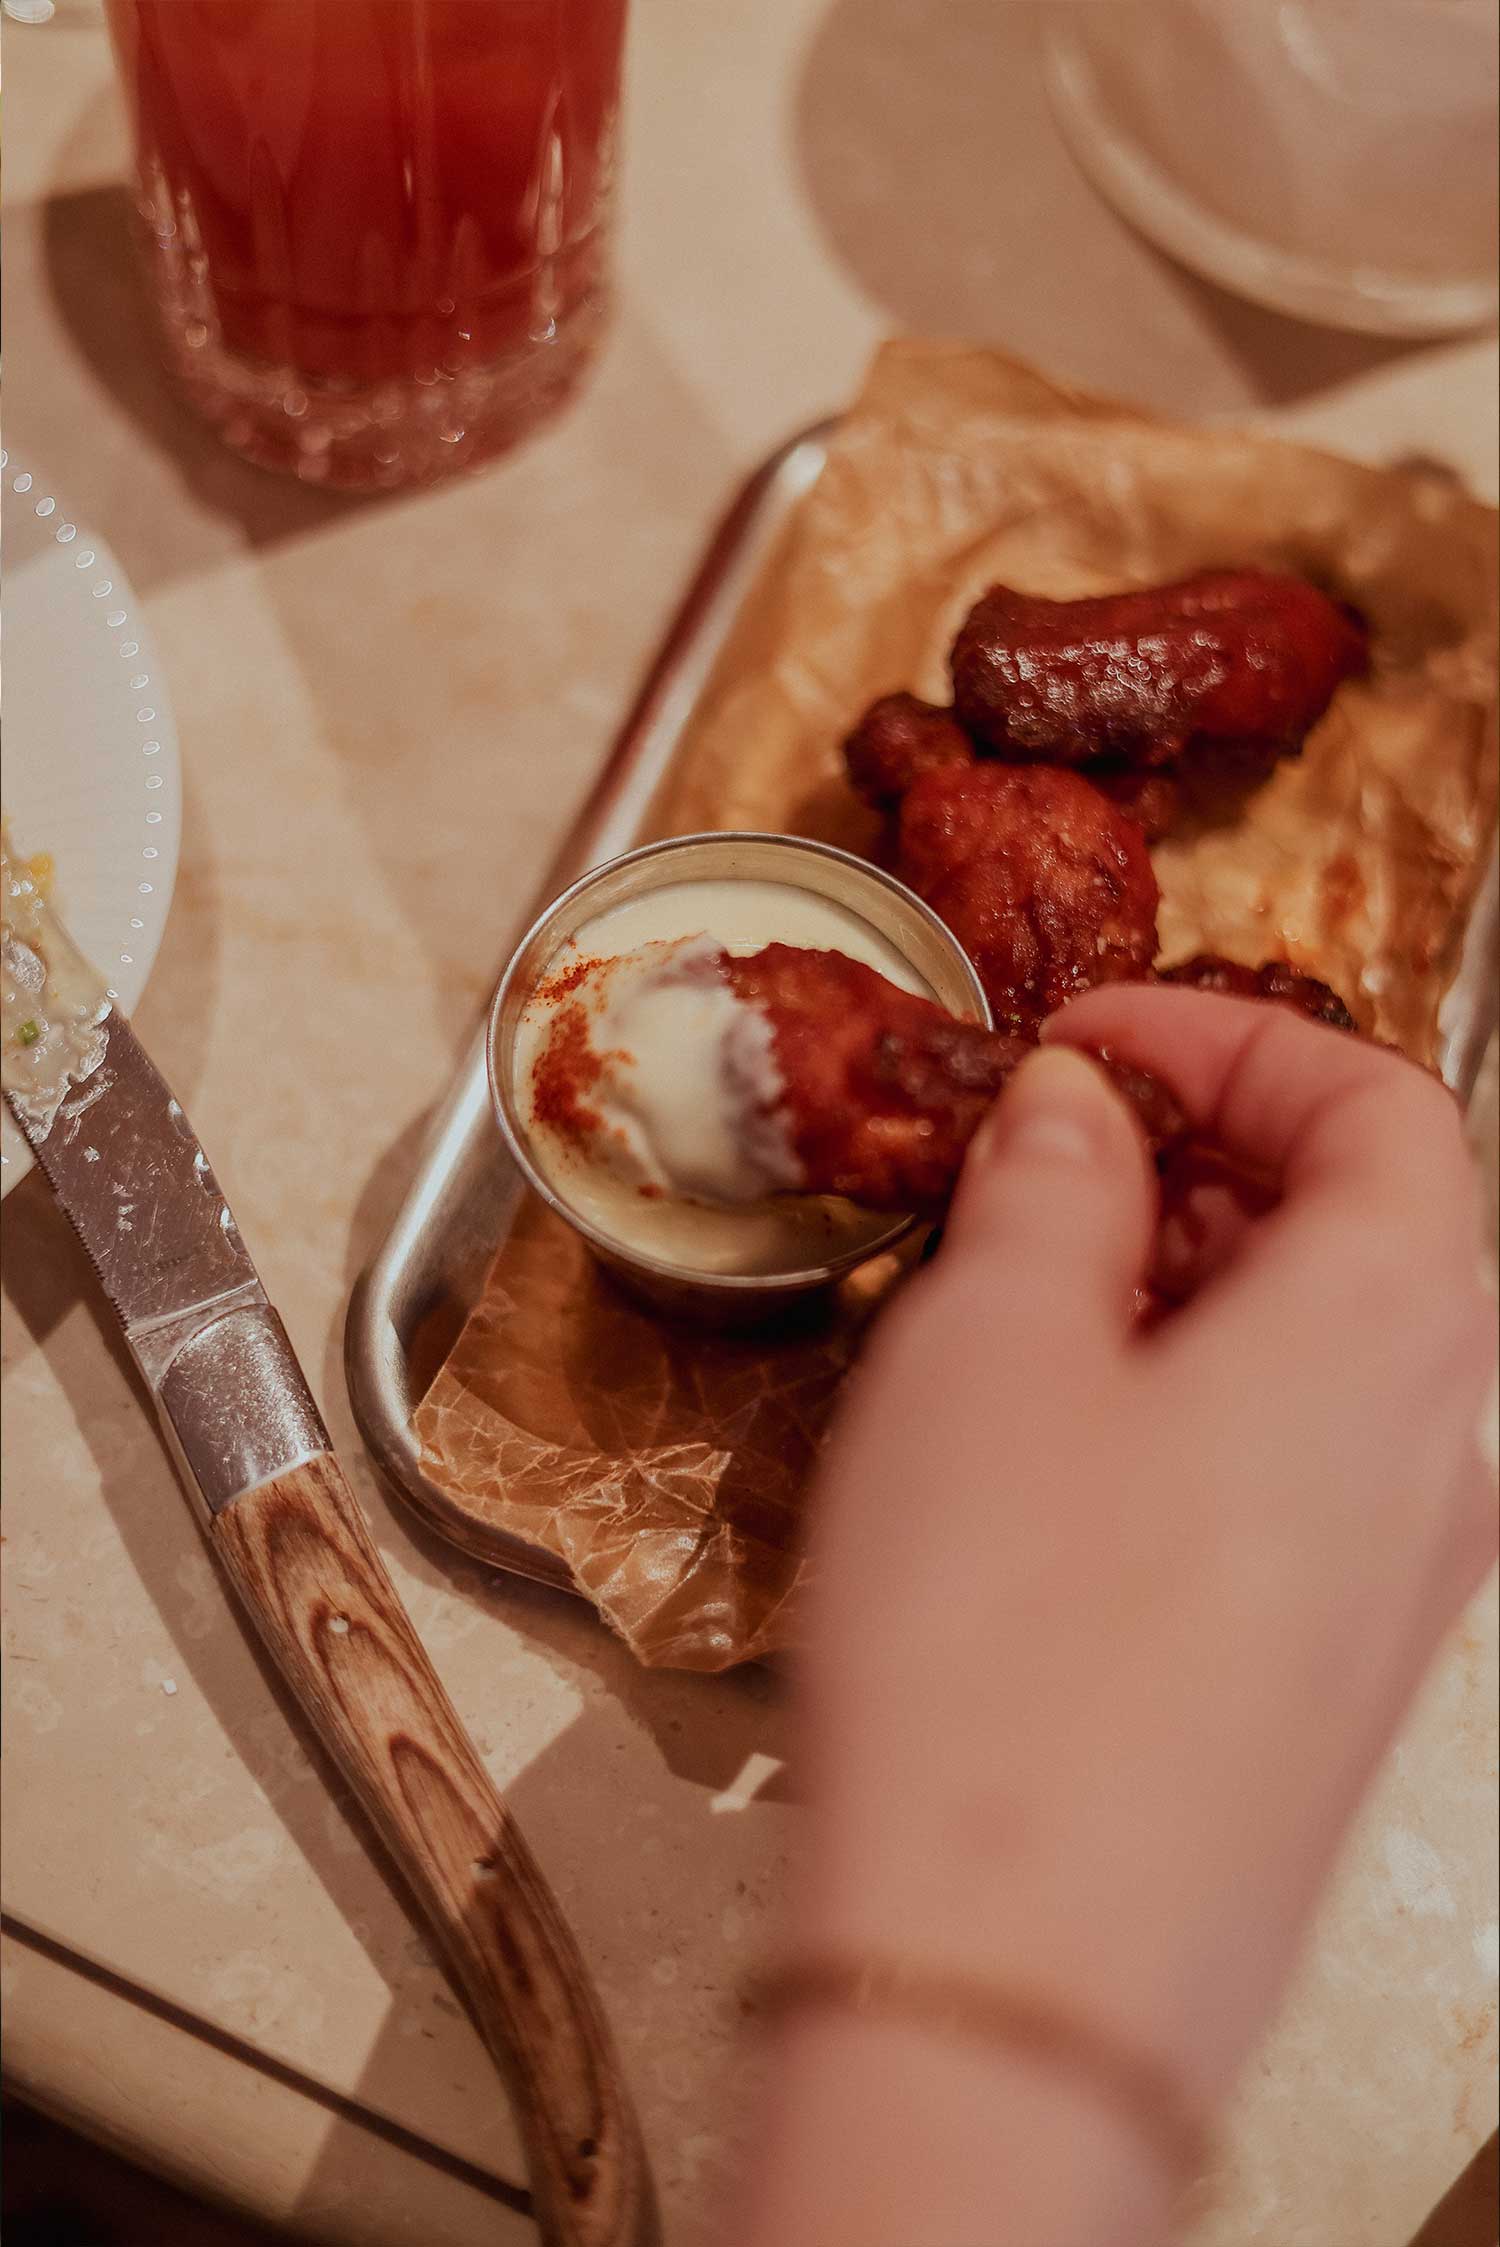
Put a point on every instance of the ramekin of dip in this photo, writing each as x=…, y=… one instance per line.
x=730, y=1260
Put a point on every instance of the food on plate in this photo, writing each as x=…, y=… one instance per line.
x=685, y=1071
x=1229, y=655
x=1046, y=884
x=681, y=1081
x=667, y=1467
x=52, y=1003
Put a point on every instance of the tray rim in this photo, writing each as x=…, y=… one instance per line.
x=608, y=822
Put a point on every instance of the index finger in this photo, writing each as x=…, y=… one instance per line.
x=1349, y=1323
x=1324, y=1113
x=1377, y=1211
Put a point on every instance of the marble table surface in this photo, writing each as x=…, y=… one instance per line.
x=387, y=712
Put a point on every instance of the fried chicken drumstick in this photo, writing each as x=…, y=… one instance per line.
x=882, y=1090
x=872, y=1092
x=1245, y=656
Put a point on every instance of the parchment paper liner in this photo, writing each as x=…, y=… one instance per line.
x=667, y=1467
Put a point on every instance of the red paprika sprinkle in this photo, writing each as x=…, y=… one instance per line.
x=565, y=1070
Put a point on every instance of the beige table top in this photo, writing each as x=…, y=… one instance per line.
x=386, y=712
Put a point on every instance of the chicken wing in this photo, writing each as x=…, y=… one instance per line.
x=882, y=1090
x=1046, y=884
x=1273, y=979
x=898, y=739
x=1248, y=656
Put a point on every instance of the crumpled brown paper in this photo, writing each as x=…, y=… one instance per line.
x=956, y=468
x=667, y=1467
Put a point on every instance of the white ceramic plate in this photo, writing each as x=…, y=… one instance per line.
x=91, y=770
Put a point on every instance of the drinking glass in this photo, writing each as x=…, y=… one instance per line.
x=376, y=231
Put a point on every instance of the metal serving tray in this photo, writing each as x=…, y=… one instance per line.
x=409, y=1305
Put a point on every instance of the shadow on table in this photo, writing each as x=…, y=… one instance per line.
x=48, y=1283
x=100, y=294
x=932, y=162
x=1468, y=2214
x=668, y=1872
x=60, y=2190
x=470, y=674
x=671, y=1891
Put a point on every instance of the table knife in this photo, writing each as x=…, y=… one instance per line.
x=252, y=1450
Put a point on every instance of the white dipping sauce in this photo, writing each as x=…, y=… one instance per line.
x=698, y=1065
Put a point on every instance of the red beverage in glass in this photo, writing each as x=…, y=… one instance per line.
x=376, y=229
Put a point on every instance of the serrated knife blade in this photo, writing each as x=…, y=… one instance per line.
x=123, y=1158
x=125, y=1165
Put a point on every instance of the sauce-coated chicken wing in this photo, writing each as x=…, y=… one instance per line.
x=682, y=1069
x=884, y=1090
x=1273, y=979
x=901, y=737
x=1230, y=655
x=898, y=739
x=1046, y=884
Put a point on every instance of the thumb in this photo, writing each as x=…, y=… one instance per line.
x=1056, y=1207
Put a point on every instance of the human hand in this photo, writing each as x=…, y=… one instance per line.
x=1112, y=1626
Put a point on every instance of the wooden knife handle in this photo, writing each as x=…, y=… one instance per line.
x=299, y=1554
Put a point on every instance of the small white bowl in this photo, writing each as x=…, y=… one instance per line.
x=892, y=912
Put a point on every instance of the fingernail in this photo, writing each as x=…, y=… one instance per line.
x=1055, y=1108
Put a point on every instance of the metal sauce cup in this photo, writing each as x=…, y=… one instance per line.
x=892, y=912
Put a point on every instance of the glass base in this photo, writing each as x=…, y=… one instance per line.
x=387, y=435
